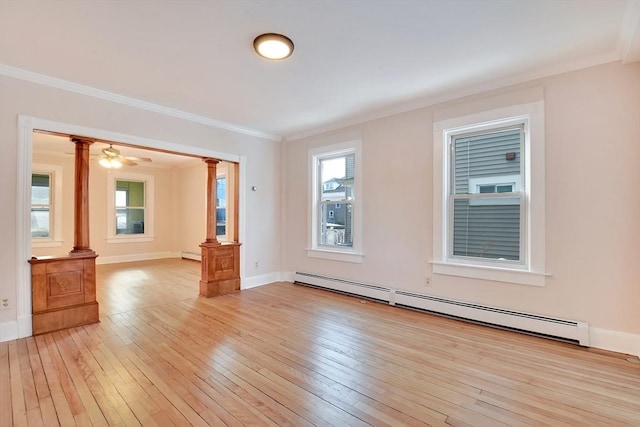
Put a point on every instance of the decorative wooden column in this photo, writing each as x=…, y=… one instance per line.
x=64, y=289
x=81, y=195
x=220, y=261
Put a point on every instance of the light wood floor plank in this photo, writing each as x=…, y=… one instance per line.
x=283, y=354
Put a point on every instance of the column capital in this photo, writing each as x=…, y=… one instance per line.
x=209, y=161
x=81, y=140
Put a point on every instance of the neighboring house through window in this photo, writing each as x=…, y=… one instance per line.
x=336, y=218
x=130, y=204
x=489, y=195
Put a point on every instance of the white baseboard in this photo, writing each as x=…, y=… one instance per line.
x=9, y=331
x=621, y=342
x=287, y=276
x=191, y=255
x=135, y=257
x=263, y=279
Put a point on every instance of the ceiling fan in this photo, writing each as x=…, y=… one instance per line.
x=111, y=158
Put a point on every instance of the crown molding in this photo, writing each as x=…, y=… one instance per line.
x=54, y=82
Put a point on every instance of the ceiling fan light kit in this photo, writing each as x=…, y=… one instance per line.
x=112, y=159
x=110, y=163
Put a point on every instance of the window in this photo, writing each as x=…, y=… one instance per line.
x=221, y=207
x=130, y=207
x=130, y=204
x=489, y=195
x=46, y=205
x=41, y=201
x=335, y=213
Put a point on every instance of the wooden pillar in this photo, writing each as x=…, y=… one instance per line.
x=63, y=290
x=220, y=262
x=81, y=198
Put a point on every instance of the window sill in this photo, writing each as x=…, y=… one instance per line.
x=131, y=239
x=497, y=274
x=46, y=243
x=354, y=257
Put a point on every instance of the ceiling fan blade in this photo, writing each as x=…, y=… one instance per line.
x=138, y=159
x=126, y=161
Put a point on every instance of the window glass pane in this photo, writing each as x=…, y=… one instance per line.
x=488, y=230
x=485, y=155
x=336, y=225
x=129, y=221
x=40, y=222
x=504, y=188
x=221, y=221
x=40, y=189
x=336, y=176
x=487, y=189
x=221, y=192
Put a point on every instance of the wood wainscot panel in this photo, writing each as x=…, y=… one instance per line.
x=220, y=269
x=63, y=292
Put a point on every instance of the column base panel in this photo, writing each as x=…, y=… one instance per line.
x=64, y=318
x=219, y=287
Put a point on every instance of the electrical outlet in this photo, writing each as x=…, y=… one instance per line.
x=4, y=304
x=427, y=281
x=256, y=264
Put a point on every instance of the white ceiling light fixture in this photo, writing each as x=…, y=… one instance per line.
x=273, y=46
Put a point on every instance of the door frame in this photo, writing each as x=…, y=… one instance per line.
x=26, y=126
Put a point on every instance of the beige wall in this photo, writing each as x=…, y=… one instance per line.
x=164, y=202
x=24, y=98
x=592, y=204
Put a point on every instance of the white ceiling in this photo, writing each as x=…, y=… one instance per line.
x=353, y=60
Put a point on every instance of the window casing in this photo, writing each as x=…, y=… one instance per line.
x=489, y=204
x=335, y=203
x=130, y=207
x=46, y=205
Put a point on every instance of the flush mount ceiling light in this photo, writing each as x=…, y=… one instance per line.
x=273, y=46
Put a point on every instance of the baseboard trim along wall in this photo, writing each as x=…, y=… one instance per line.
x=135, y=257
x=571, y=330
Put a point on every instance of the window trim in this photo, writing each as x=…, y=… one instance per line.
x=148, y=235
x=315, y=250
x=532, y=270
x=55, y=185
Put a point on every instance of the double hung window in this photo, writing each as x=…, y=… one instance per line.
x=221, y=207
x=41, y=206
x=130, y=207
x=130, y=204
x=335, y=203
x=46, y=205
x=487, y=200
x=489, y=195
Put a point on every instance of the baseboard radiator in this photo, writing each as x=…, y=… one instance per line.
x=549, y=327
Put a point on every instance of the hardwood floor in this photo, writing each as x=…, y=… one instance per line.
x=283, y=354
